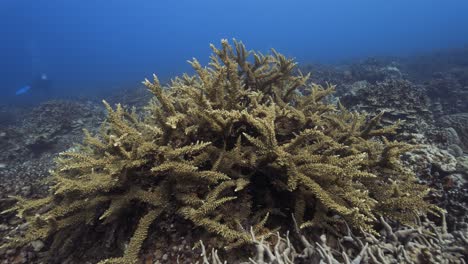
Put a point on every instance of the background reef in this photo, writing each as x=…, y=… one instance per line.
x=435, y=120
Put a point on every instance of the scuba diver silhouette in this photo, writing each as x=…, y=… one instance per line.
x=40, y=86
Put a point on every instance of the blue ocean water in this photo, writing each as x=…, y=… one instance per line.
x=87, y=47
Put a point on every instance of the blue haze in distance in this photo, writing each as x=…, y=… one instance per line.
x=90, y=46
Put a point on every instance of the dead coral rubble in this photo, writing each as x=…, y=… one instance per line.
x=28, y=146
x=449, y=91
x=232, y=148
x=375, y=70
x=49, y=128
x=459, y=123
x=398, y=98
x=423, y=244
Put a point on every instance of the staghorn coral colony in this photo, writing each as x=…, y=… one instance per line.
x=242, y=149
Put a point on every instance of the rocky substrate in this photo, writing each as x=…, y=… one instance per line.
x=29, y=146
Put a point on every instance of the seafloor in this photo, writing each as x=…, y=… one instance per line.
x=429, y=92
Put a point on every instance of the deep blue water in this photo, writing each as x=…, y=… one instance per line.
x=89, y=46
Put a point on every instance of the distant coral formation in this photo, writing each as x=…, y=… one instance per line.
x=399, y=99
x=449, y=91
x=234, y=148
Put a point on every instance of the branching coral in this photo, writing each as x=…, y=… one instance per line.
x=424, y=244
x=233, y=147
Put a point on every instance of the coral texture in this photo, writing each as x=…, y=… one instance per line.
x=233, y=147
x=427, y=243
x=399, y=99
x=459, y=122
x=449, y=91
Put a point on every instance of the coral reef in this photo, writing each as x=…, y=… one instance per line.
x=447, y=177
x=375, y=70
x=323, y=74
x=42, y=129
x=449, y=91
x=28, y=147
x=399, y=99
x=459, y=123
x=427, y=243
x=440, y=157
x=232, y=148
